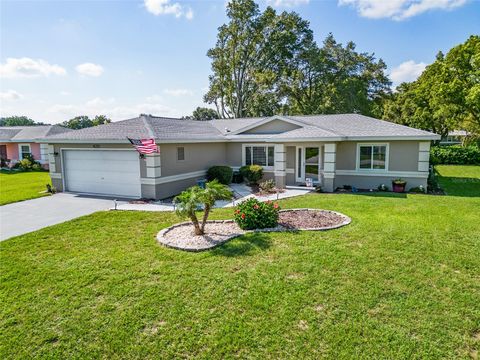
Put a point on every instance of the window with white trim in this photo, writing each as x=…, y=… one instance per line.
x=260, y=155
x=25, y=151
x=372, y=157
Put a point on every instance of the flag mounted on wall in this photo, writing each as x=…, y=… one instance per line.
x=144, y=146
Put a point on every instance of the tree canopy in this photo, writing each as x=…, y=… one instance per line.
x=445, y=97
x=18, y=121
x=202, y=113
x=265, y=63
x=83, y=121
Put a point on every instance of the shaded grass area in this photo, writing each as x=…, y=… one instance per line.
x=19, y=186
x=401, y=281
x=459, y=180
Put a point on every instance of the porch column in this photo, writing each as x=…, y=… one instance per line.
x=280, y=166
x=329, y=160
x=150, y=171
x=423, y=156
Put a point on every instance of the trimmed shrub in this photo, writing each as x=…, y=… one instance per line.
x=253, y=173
x=221, y=173
x=253, y=214
x=455, y=155
x=28, y=163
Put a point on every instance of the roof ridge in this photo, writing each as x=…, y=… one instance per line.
x=150, y=131
x=322, y=128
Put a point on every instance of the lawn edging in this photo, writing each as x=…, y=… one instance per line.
x=210, y=244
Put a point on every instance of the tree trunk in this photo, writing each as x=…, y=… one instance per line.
x=205, y=217
x=196, y=225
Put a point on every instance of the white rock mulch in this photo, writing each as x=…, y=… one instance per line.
x=217, y=232
x=181, y=236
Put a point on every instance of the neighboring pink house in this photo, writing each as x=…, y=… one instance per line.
x=16, y=142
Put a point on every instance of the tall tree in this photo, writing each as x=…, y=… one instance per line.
x=253, y=51
x=18, y=121
x=268, y=63
x=337, y=79
x=83, y=121
x=202, y=113
x=445, y=97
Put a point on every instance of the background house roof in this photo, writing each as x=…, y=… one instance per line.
x=30, y=133
x=334, y=127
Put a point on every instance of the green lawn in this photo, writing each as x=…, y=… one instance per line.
x=459, y=180
x=401, y=281
x=18, y=186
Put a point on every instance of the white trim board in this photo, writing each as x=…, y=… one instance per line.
x=397, y=174
x=171, y=178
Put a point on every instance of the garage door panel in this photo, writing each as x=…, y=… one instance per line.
x=108, y=172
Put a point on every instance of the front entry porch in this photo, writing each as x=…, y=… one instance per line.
x=307, y=164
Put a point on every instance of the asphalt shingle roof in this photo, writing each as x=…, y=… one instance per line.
x=29, y=133
x=342, y=126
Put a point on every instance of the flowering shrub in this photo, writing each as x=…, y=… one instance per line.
x=253, y=214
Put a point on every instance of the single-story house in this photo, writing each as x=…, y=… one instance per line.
x=455, y=137
x=332, y=150
x=16, y=142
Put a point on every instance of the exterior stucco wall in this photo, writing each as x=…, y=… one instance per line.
x=13, y=150
x=197, y=157
x=234, y=154
x=272, y=127
x=372, y=182
x=403, y=155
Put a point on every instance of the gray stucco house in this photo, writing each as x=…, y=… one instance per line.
x=333, y=150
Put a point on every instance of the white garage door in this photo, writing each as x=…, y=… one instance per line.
x=107, y=172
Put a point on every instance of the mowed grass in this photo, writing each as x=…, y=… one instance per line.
x=400, y=282
x=459, y=180
x=18, y=186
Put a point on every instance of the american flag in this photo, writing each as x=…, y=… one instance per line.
x=144, y=146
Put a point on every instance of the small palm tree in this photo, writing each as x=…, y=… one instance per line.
x=190, y=200
x=213, y=191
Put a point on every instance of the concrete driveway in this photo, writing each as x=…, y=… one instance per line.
x=30, y=215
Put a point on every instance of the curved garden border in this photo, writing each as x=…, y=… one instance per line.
x=161, y=236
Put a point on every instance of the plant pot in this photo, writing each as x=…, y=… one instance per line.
x=399, y=187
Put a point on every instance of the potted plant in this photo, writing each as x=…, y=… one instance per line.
x=398, y=185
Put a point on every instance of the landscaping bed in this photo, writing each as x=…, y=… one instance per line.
x=217, y=232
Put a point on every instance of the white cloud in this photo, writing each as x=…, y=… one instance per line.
x=178, y=92
x=287, y=3
x=407, y=71
x=29, y=68
x=166, y=7
x=111, y=109
x=10, y=95
x=398, y=9
x=89, y=69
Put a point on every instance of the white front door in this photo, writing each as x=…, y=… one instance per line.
x=308, y=163
x=106, y=172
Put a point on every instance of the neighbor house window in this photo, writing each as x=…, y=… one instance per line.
x=180, y=153
x=372, y=157
x=25, y=151
x=259, y=155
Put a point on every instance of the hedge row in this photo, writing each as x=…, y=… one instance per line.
x=455, y=155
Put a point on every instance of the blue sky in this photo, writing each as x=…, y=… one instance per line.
x=60, y=59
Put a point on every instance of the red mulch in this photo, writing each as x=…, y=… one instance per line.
x=309, y=219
